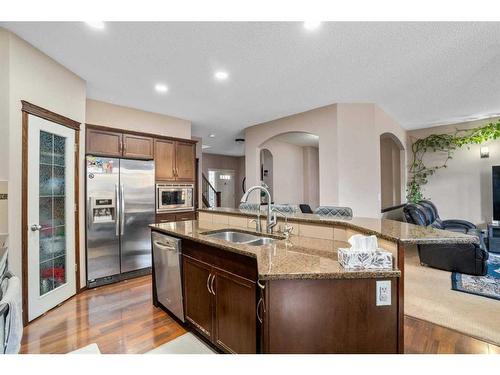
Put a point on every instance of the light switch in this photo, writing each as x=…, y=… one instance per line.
x=383, y=293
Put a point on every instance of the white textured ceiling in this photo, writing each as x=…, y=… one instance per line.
x=420, y=73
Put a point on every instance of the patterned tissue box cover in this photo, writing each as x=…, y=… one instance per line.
x=364, y=259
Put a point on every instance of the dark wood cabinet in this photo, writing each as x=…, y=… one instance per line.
x=175, y=160
x=235, y=313
x=232, y=304
x=226, y=303
x=165, y=159
x=185, y=161
x=103, y=142
x=137, y=147
x=198, y=299
x=108, y=142
x=179, y=216
x=327, y=316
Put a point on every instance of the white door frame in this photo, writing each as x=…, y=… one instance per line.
x=33, y=115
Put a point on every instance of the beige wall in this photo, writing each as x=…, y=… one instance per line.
x=391, y=171
x=462, y=190
x=235, y=163
x=35, y=77
x=115, y=116
x=4, y=105
x=321, y=122
x=311, y=176
x=287, y=171
x=349, y=151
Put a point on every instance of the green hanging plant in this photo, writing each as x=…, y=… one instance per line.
x=445, y=144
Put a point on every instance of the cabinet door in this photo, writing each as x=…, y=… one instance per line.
x=185, y=216
x=164, y=159
x=197, y=297
x=135, y=146
x=104, y=143
x=165, y=218
x=185, y=161
x=235, y=313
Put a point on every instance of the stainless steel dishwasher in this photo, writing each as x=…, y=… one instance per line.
x=167, y=266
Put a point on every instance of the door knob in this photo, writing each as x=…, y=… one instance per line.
x=36, y=227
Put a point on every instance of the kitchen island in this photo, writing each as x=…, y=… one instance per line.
x=292, y=296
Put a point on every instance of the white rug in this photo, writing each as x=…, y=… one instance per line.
x=428, y=296
x=89, y=349
x=185, y=344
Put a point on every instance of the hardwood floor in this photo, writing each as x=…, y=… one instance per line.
x=424, y=337
x=121, y=318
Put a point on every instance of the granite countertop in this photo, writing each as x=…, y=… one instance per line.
x=296, y=258
x=391, y=230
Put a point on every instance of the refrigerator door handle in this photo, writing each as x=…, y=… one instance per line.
x=118, y=211
x=89, y=213
x=122, y=208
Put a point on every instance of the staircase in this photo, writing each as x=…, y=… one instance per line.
x=209, y=196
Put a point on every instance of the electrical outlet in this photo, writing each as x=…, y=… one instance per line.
x=383, y=293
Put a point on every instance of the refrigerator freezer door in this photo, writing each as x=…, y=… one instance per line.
x=103, y=239
x=137, y=190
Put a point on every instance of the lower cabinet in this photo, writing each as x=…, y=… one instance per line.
x=197, y=295
x=235, y=313
x=179, y=216
x=221, y=306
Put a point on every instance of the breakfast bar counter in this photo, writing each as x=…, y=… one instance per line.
x=295, y=258
x=390, y=230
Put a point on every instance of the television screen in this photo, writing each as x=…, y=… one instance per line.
x=496, y=192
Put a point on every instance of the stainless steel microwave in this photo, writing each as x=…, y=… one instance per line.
x=174, y=197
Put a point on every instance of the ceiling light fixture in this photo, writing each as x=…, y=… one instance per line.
x=311, y=25
x=161, y=88
x=211, y=135
x=221, y=75
x=100, y=25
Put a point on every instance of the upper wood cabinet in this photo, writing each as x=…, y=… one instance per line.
x=136, y=146
x=106, y=142
x=175, y=160
x=103, y=142
x=165, y=159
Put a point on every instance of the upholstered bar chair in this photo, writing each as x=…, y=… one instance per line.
x=333, y=211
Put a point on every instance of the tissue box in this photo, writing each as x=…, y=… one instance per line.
x=364, y=259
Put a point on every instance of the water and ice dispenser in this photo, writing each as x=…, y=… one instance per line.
x=103, y=209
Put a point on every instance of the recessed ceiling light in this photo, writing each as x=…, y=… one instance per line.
x=311, y=25
x=221, y=75
x=161, y=88
x=96, y=24
x=211, y=135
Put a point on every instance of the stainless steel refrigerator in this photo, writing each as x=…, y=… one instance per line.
x=120, y=205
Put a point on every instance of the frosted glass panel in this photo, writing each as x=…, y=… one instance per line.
x=52, y=237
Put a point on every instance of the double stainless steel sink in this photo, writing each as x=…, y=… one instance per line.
x=241, y=238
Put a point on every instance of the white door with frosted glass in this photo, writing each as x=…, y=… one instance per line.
x=51, y=215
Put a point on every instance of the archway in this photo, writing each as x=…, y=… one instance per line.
x=391, y=170
x=266, y=172
x=289, y=165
